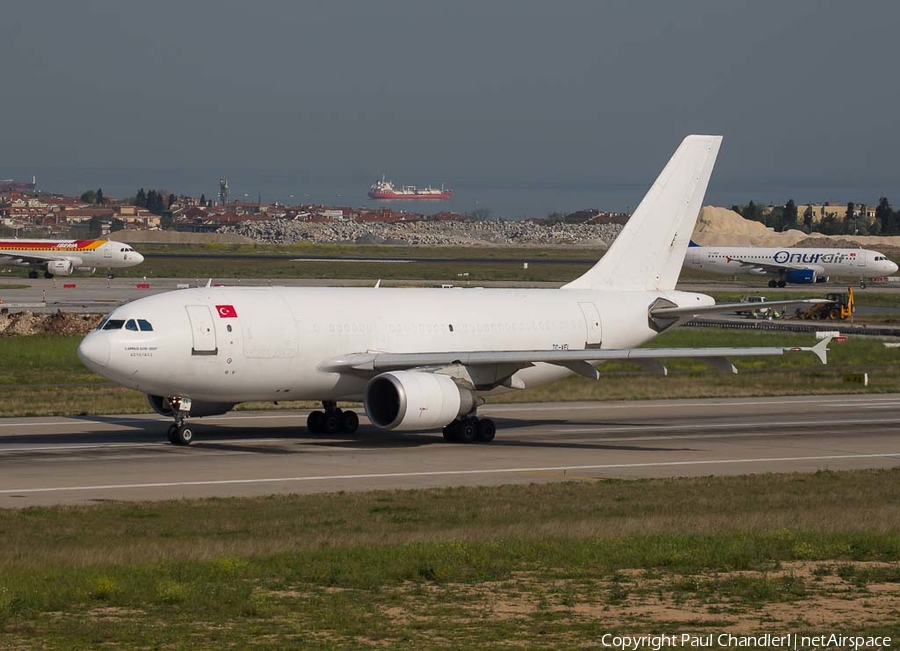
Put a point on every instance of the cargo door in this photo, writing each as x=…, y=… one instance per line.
x=592, y=325
x=202, y=330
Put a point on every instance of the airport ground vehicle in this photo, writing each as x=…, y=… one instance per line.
x=759, y=312
x=839, y=307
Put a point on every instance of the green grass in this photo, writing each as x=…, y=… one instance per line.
x=548, y=565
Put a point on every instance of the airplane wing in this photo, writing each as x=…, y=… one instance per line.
x=577, y=361
x=33, y=258
x=724, y=308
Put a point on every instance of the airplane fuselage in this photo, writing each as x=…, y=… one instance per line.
x=229, y=344
x=763, y=261
x=63, y=257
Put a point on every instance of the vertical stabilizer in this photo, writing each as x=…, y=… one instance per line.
x=650, y=250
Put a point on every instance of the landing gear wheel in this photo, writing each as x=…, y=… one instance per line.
x=47, y=274
x=485, y=430
x=32, y=274
x=773, y=283
x=331, y=422
x=862, y=284
x=110, y=276
x=451, y=434
x=781, y=283
x=180, y=434
x=467, y=430
x=315, y=422
x=349, y=422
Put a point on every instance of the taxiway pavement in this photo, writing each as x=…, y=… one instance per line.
x=99, y=459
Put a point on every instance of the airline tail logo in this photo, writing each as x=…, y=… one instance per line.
x=226, y=311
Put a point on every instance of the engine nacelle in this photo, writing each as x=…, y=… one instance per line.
x=408, y=400
x=800, y=276
x=60, y=267
x=163, y=407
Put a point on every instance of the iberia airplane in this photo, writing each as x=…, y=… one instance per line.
x=64, y=257
x=417, y=358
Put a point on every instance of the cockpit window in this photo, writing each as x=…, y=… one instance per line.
x=131, y=324
x=145, y=325
x=113, y=324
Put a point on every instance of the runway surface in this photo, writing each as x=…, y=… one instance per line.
x=98, y=459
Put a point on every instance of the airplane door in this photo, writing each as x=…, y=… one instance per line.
x=107, y=250
x=592, y=323
x=202, y=330
x=861, y=259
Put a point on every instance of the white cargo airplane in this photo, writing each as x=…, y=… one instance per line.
x=796, y=266
x=65, y=257
x=417, y=359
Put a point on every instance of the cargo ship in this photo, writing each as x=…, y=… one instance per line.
x=385, y=190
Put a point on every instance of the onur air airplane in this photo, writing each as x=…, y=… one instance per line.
x=65, y=257
x=417, y=358
x=797, y=266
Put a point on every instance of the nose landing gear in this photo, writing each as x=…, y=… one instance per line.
x=179, y=433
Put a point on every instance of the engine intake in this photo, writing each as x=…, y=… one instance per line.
x=163, y=407
x=410, y=400
x=60, y=267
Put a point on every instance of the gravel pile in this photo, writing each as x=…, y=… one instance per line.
x=33, y=323
x=488, y=233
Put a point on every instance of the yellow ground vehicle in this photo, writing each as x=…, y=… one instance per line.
x=838, y=307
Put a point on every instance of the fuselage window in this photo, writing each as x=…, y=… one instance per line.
x=145, y=325
x=114, y=324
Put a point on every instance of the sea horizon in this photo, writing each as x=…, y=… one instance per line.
x=502, y=198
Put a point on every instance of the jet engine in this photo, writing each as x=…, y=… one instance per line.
x=60, y=267
x=800, y=276
x=407, y=400
x=163, y=407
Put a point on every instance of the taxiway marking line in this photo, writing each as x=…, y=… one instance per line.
x=445, y=473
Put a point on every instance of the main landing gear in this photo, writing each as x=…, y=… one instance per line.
x=469, y=430
x=179, y=433
x=777, y=283
x=332, y=420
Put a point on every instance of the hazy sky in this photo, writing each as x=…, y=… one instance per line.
x=804, y=91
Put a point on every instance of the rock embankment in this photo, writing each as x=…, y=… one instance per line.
x=35, y=323
x=487, y=233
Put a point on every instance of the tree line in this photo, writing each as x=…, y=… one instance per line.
x=852, y=219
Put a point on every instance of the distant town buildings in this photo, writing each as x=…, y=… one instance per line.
x=23, y=207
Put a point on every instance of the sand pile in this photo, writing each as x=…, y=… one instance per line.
x=724, y=227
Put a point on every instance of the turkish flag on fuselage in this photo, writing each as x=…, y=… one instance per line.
x=226, y=311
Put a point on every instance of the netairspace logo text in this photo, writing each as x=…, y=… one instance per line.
x=789, y=641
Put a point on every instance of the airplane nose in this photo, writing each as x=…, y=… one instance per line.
x=93, y=351
x=891, y=267
x=138, y=257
